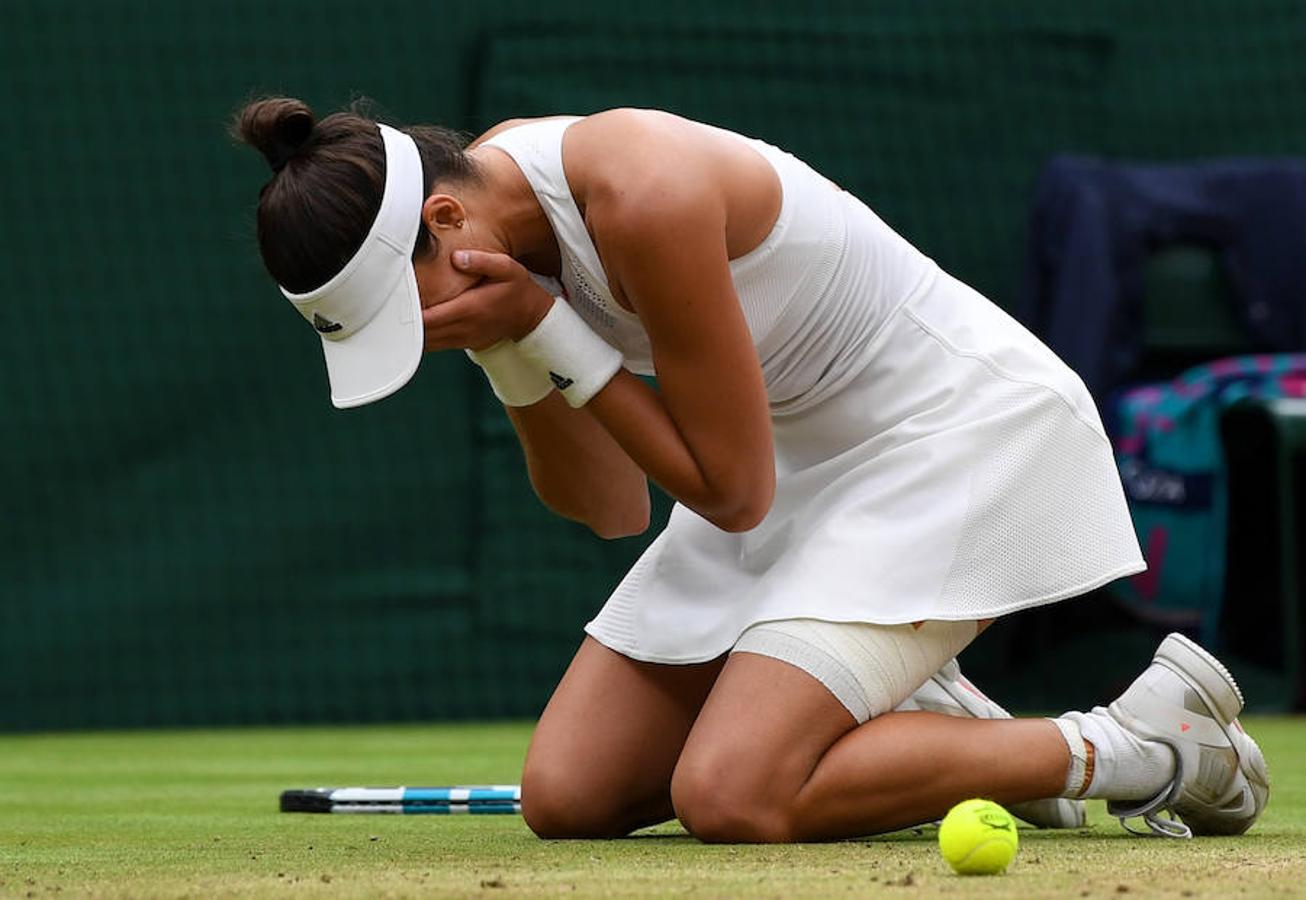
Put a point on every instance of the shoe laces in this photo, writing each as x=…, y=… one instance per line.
x=1150, y=811
x=1158, y=825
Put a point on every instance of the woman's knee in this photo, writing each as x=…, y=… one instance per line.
x=721, y=802
x=557, y=804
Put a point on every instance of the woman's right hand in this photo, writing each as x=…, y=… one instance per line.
x=505, y=304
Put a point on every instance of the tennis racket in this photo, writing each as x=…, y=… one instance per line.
x=474, y=800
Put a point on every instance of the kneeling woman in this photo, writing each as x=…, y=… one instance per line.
x=871, y=461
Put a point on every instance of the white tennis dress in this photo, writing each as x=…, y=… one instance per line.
x=933, y=459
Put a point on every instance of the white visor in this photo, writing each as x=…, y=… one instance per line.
x=369, y=314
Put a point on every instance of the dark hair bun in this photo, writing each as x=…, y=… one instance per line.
x=277, y=127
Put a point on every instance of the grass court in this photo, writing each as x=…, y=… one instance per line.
x=194, y=814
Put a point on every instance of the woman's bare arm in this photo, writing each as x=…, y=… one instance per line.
x=660, y=222
x=705, y=437
x=578, y=470
x=575, y=466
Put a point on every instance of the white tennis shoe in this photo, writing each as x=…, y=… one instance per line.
x=952, y=694
x=1188, y=701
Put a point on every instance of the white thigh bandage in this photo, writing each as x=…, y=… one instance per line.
x=869, y=668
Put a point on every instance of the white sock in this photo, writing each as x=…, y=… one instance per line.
x=1123, y=767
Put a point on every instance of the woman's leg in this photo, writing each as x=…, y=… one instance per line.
x=776, y=754
x=775, y=757
x=951, y=693
x=600, y=762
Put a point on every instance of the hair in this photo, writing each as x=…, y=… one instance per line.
x=327, y=183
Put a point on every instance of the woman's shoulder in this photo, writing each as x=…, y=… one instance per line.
x=610, y=124
x=628, y=166
x=630, y=136
x=638, y=160
x=509, y=124
x=619, y=156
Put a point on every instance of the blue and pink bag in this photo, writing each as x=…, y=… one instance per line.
x=1167, y=442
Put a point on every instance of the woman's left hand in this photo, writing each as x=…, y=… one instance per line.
x=505, y=304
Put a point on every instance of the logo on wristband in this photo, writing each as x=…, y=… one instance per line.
x=561, y=382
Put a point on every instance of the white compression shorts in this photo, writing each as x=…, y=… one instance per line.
x=869, y=668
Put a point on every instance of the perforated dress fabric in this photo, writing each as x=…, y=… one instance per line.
x=934, y=460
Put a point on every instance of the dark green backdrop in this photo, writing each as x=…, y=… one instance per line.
x=191, y=534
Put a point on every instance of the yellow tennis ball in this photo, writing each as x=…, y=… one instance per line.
x=978, y=837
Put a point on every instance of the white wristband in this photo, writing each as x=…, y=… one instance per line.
x=516, y=380
x=578, y=361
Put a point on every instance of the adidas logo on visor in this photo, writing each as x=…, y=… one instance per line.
x=325, y=325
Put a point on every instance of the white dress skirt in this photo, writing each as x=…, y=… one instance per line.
x=934, y=460
x=962, y=474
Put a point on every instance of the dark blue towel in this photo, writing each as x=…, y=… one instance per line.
x=1094, y=224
